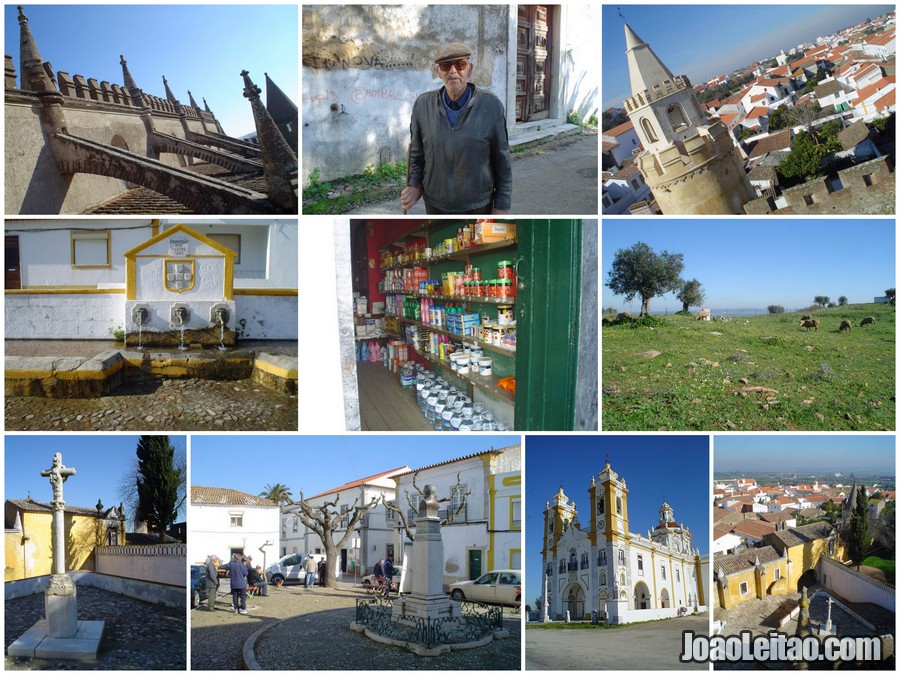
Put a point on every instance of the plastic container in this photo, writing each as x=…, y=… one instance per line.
x=504, y=315
x=485, y=365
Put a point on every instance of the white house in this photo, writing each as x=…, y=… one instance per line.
x=833, y=96
x=68, y=279
x=225, y=521
x=487, y=533
x=375, y=534
x=622, y=189
x=620, y=142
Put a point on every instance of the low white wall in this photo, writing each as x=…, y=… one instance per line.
x=170, y=596
x=66, y=316
x=266, y=317
x=94, y=316
x=161, y=564
x=854, y=586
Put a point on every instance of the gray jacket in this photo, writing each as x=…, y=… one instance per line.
x=463, y=167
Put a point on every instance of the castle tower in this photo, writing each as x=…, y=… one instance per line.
x=690, y=163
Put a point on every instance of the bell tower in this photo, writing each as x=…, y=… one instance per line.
x=558, y=517
x=690, y=163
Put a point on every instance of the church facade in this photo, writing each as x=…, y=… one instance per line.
x=604, y=567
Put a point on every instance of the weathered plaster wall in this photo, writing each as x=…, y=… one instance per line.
x=579, y=59
x=64, y=316
x=364, y=66
x=266, y=317
x=158, y=564
x=586, y=414
x=33, y=183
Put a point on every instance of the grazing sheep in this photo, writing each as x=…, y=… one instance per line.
x=845, y=325
x=810, y=323
x=867, y=320
x=806, y=317
x=703, y=314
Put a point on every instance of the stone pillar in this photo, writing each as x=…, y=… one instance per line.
x=279, y=161
x=60, y=601
x=544, y=608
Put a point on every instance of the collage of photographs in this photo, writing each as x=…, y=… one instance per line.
x=645, y=255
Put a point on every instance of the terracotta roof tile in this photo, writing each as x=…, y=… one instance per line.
x=803, y=534
x=780, y=140
x=226, y=497
x=872, y=89
x=32, y=506
x=754, y=528
x=619, y=130
x=363, y=481
x=740, y=562
x=139, y=200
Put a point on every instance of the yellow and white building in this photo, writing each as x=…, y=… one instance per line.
x=603, y=566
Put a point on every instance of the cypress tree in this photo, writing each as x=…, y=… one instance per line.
x=157, y=483
x=859, y=527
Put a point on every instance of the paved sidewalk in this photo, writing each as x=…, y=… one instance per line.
x=558, y=179
x=647, y=646
x=317, y=636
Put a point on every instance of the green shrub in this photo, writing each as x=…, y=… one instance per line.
x=776, y=309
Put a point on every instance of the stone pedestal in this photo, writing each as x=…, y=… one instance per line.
x=61, y=607
x=427, y=599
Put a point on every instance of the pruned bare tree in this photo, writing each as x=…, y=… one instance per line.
x=414, y=505
x=325, y=520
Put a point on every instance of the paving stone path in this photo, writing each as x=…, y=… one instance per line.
x=164, y=405
x=137, y=636
x=317, y=636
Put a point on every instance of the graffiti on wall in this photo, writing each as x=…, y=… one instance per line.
x=337, y=54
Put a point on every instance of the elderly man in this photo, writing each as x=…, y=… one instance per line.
x=459, y=150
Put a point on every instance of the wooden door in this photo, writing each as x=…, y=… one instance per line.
x=533, y=62
x=13, y=277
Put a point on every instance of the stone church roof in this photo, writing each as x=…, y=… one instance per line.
x=33, y=506
x=740, y=562
x=797, y=536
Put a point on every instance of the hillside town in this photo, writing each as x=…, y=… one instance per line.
x=806, y=124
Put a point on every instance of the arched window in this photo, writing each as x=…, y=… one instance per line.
x=648, y=130
x=618, y=505
x=677, y=117
x=601, y=506
x=602, y=578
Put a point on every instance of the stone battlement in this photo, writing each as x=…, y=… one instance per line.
x=867, y=189
x=683, y=157
x=658, y=91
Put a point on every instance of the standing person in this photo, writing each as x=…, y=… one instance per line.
x=255, y=577
x=323, y=571
x=310, y=567
x=388, y=568
x=237, y=575
x=212, y=581
x=459, y=148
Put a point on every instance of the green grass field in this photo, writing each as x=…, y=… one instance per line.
x=886, y=566
x=751, y=374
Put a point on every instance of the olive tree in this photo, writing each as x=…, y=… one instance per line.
x=640, y=271
x=690, y=295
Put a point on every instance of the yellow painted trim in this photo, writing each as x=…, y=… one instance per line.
x=286, y=373
x=515, y=550
x=154, y=227
x=130, y=279
x=653, y=567
x=492, y=495
x=65, y=374
x=228, y=282
x=513, y=498
x=267, y=291
x=512, y=480
x=63, y=290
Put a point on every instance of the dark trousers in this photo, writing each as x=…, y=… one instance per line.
x=239, y=594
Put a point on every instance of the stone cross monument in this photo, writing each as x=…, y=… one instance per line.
x=60, y=598
x=61, y=635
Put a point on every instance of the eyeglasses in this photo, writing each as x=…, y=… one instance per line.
x=461, y=65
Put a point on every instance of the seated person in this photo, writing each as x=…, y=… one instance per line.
x=255, y=577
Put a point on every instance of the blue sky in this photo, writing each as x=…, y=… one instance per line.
x=745, y=263
x=826, y=453
x=674, y=468
x=100, y=461
x=705, y=40
x=203, y=48
x=318, y=463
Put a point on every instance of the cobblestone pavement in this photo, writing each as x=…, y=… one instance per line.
x=164, y=405
x=317, y=636
x=137, y=635
x=88, y=348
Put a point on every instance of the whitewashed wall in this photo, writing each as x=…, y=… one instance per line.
x=163, y=564
x=211, y=531
x=64, y=317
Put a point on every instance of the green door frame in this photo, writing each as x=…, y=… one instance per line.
x=547, y=314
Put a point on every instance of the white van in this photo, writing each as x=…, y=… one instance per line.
x=289, y=568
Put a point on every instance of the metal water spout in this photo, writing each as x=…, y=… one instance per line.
x=140, y=315
x=180, y=314
x=221, y=315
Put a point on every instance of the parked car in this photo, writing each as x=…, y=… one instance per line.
x=289, y=568
x=499, y=587
x=199, y=592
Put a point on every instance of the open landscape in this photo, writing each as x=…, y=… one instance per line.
x=753, y=373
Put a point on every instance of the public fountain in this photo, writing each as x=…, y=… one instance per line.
x=179, y=318
x=140, y=315
x=221, y=318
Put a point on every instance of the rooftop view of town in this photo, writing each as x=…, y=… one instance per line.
x=811, y=126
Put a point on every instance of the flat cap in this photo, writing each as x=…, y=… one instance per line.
x=451, y=51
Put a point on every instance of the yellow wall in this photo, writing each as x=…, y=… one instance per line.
x=758, y=586
x=806, y=556
x=29, y=554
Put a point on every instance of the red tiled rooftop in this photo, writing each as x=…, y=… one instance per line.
x=758, y=111
x=873, y=89
x=619, y=130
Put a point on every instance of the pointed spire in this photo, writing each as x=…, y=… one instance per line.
x=644, y=67
x=206, y=106
x=279, y=161
x=126, y=74
x=34, y=77
x=170, y=97
x=191, y=99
